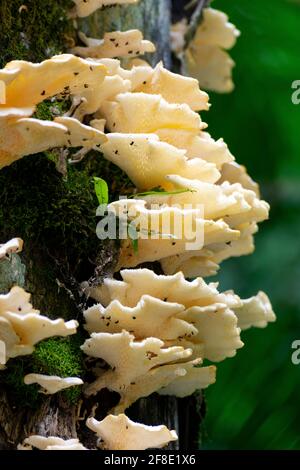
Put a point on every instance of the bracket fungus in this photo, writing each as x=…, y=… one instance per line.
x=50, y=443
x=51, y=383
x=205, y=57
x=146, y=113
x=15, y=245
x=85, y=8
x=256, y=311
x=147, y=160
x=149, y=333
x=196, y=378
x=21, y=134
x=173, y=87
x=137, y=368
x=23, y=327
x=151, y=317
x=114, y=44
x=175, y=288
x=120, y=433
x=185, y=226
x=189, y=314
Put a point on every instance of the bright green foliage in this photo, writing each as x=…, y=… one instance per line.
x=255, y=401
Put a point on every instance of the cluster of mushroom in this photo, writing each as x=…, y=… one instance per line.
x=21, y=327
x=205, y=56
x=155, y=330
x=113, y=432
x=157, y=137
x=25, y=85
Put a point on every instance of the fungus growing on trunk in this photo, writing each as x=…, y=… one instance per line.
x=120, y=433
x=51, y=383
x=15, y=245
x=115, y=44
x=87, y=7
x=50, y=443
x=22, y=327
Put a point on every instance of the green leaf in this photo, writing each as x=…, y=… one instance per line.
x=101, y=190
x=135, y=246
x=160, y=192
x=133, y=235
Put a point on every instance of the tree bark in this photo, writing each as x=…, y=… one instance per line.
x=56, y=219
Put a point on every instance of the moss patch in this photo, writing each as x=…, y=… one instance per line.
x=61, y=357
x=54, y=356
x=33, y=29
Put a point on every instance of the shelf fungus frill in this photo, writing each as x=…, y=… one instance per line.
x=137, y=368
x=27, y=85
x=114, y=44
x=120, y=433
x=192, y=314
x=22, y=327
x=146, y=113
x=185, y=227
x=50, y=443
x=147, y=160
x=51, y=383
x=173, y=87
x=85, y=8
x=15, y=245
x=256, y=311
x=206, y=57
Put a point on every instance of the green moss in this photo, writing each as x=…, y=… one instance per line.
x=13, y=377
x=54, y=214
x=61, y=357
x=33, y=30
x=48, y=109
x=54, y=356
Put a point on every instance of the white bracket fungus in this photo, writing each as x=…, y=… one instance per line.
x=146, y=113
x=12, y=246
x=172, y=243
x=205, y=57
x=87, y=7
x=175, y=288
x=50, y=443
x=120, y=433
x=23, y=327
x=147, y=160
x=51, y=383
x=115, y=44
x=195, y=379
x=174, y=88
x=256, y=311
x=138, y=368
x=151, y=317
x=65, y=74
x=148, y=304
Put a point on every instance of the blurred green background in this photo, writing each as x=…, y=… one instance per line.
x=255, y=403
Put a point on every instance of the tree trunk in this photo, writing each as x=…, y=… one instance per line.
x=55, y=216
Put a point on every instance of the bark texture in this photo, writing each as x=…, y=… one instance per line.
x=55, y=216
